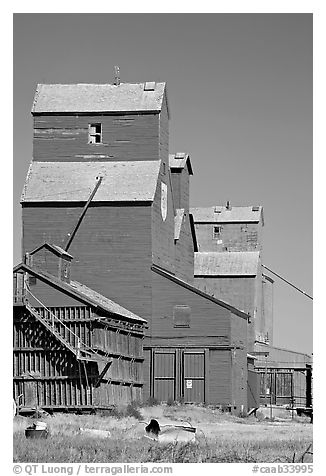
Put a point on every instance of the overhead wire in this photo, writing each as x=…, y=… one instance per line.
x=288, y=282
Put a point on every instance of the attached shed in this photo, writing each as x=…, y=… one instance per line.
x=74, y=349
x=195, y=347
x=285, y=376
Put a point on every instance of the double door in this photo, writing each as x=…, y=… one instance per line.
x=179, y=375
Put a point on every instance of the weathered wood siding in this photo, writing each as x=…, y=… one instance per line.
x=47, y=261
x=184, y=252
x=281, y=357
x=164, y=134
x=267, y=308
x=42, y=293
x=208, y=320
x=244, y=293
x=180, y=186
x=220, y=380
x=240, y=345
x=253, y=389
x=45, y=372
x=233, y=237
x=211, y=326
x=112, y=248
x=124, y=137
x=163, y=231
x=49, y=375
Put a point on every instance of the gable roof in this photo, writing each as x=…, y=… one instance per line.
x=186, y=285
x=98, y=98
x=74, y=181
x=220, y=214
x=55, y=248
x=81, y=292
x=233, y=263
x=179, y=161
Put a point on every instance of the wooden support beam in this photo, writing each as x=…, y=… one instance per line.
x=77, y=225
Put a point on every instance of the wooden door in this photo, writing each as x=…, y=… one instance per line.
x=164, y=375
x=194, y=377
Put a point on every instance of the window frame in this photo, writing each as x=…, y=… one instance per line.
x=177, y=322
x=96, y=134
x=216, y=235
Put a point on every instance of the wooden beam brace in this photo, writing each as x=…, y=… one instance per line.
x=77, y=225
x=105, y=369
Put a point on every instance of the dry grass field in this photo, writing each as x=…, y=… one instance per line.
x=220, y=437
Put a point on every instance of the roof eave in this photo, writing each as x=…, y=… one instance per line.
x=179, y=281
x=49, y=279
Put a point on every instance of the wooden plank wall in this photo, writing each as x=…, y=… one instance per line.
x=112, y=248
x=51, y=372
x=164, y=135
x=43, y=366
x=184, y=252
x=180, y=186
x=163, y=231
x=220, y=381
x=239, y=340
x=267, y=308
x=208, y=319
x=124, y=137
x=234, y=237
x=46, y=260
x=240, y=292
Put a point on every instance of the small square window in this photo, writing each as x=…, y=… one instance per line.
x=181, y=316
x=95, y=133
x=32, y=280
x=217, y=231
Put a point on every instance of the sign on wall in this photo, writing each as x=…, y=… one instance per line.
x=188, y=383
x=164, y=200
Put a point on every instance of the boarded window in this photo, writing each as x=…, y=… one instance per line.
x=32, y=280
x=95, y=133
x=181, y=316
x=216, y=231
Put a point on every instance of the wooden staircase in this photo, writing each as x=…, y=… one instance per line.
x=81, y=351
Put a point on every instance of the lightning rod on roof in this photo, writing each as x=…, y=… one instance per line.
x=116, y=75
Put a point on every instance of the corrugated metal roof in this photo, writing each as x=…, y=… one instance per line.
x=178, y=222
x=220, y=214
x=74, y=181
x=179, y=161
x=83, y=292
x=241, y=263
x=73, y=98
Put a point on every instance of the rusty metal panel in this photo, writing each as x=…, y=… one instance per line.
x=164, y=375
x=194, y=377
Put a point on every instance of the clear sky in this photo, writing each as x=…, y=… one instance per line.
x=240, y=97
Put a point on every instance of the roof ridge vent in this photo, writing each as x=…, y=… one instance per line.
x=149, y=86
x=217, y=209
x=255, y=209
